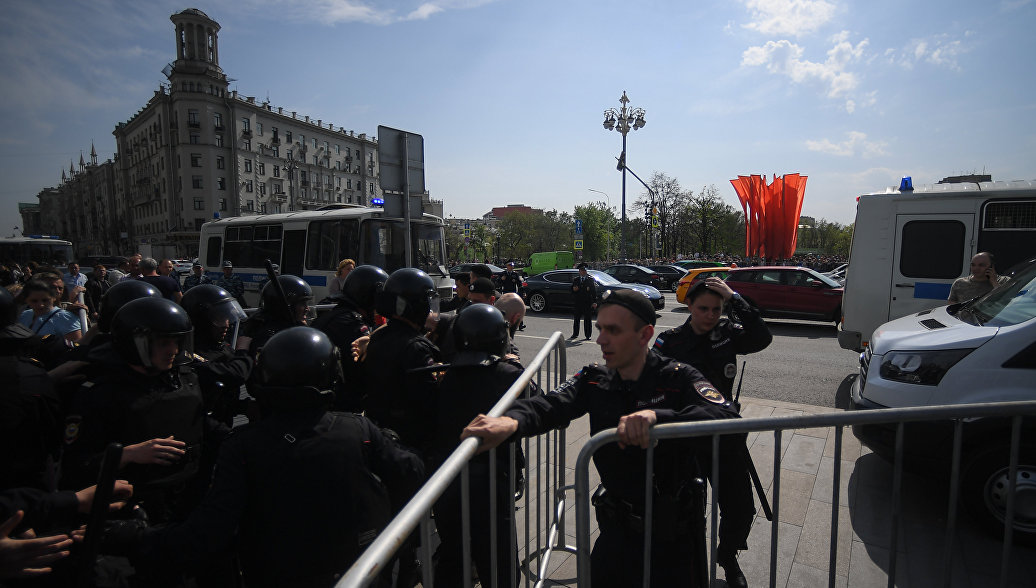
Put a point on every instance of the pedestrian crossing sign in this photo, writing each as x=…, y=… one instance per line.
x=579, y=245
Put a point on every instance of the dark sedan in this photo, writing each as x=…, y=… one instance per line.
x=670, y=273
x=553, y=290
x=463, y=268
x=629, y=273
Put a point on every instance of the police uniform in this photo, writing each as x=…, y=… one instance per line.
x=234, y=285
x=714, y=354
x=510, y=281
x=584, y=295
x=193, y=280
x=343, y=325
x=262, y=325
x=676, y=392
x=30, y=423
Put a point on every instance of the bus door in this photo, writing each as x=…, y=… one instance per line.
x=932, y=250
x=293, y=252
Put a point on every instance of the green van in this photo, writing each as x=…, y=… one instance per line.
x=549, y=261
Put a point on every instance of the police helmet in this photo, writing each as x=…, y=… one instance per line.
x=481, y=328
x=8, y=309
x=296, y=290
x=363, y=285
x=298, y=367
x=141, y=323
x=208, y=304
x=118, y=295
x=407, y=294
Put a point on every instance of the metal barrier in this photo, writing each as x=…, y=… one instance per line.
x=957, y=413
x=546, y=475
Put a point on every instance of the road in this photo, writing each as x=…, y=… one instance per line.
x=804, y=363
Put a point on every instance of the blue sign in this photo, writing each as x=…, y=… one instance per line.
x=467, y=226
x=579, y=227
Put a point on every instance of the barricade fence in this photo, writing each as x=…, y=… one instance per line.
x=542, y=505
x=1011, y=412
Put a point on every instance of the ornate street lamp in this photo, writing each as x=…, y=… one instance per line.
x=623, y=120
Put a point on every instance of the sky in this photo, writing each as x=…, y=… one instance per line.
x=509, y=95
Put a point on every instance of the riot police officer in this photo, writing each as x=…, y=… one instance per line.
x=351, y=319
x=475, y=381
x=635, y=389
x=276, y=313
x=145, y=397
x=303, y=491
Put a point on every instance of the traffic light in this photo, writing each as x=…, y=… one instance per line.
x=647, y=214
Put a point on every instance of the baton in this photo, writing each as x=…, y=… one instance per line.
x=98, y=513
x=280, y=291
x=759, y=490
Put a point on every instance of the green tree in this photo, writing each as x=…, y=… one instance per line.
x=598, y=228
x=516, y=231
x=482, y=240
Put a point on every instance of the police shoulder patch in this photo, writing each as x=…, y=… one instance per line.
x=72, y=429
x=709, y=393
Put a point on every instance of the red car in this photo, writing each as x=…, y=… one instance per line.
x=789, y=292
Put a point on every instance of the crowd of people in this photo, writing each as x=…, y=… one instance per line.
x=270, y=449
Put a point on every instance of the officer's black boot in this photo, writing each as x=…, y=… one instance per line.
x=727, y=559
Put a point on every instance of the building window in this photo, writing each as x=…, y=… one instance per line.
x=220, y=163
x=217, y=121
x=290, y=155
x=314, y=142
x=259, y=128
x=338, y=149
x=349, y=184
x=196, y=182
x=223, y=204
x=195, y=159
x=248, y=166
x=246, y=124
x=302, y=140
x=198, y=222
x=248, y=185
x=338, y=164
x=371, y=188
x=246, y=144
x=219, y=140
x=192, y=118
x=262, y=188
x=261, y=167
x=302, y=175
x=303, y=192
x=339, y=182
x=315, y=160
x=276, y=151
x=276, y=171
x=274, y=131
x=249, y=205
x=221, y=183
x=195, y=139
x=287, y=136
x=199, y=204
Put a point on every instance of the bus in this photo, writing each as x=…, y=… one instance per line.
x=310, y=243
x=46, y=250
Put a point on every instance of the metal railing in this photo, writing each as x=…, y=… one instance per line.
x=958, y=414
x=546, y=475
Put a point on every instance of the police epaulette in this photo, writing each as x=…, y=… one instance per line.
x=197, y=358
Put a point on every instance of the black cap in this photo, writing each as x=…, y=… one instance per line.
x=581, y=266
x=483, y=286
x=633, y=301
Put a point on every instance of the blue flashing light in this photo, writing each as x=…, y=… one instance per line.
x=906, y=184
x=215, y=215
x=378, y=201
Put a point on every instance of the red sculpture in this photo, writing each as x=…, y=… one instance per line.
x=771, y=213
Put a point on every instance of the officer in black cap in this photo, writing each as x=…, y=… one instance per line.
x=276, y=313
x=475, y=381
x=635, y=389
x=146, y=397
x=303, y=491
x=584, y=301
x=351, y=319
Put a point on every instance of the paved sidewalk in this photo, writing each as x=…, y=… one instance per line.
x=864, y=527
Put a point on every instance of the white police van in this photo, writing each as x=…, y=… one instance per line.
x=983, y=350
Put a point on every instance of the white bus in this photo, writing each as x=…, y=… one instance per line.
x=310, y=243
x=43, y=249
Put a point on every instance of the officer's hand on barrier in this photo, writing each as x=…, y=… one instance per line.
x=154, y=451
x=493, y=431
x=635, y=429
x=120, y=492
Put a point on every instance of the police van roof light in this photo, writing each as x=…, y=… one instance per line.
x=906, y=184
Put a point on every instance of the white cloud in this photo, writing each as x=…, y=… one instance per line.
x=856, y=143
x=788, y=17
x=785, y=58
x=376, y=12
x=938, y=50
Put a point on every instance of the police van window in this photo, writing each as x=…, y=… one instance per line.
x=213, y=257
x=237, y=248
x=266, y=244
x=428, y=242
x=932, y=249
x=383, y=244
x=330, y=242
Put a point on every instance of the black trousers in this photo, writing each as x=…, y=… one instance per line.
x=617, y=559
x=584, y=312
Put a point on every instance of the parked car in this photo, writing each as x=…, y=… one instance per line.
x=182, y=267
x=789, y=292
x=670, y=273
x=629, y=273
x=463, y=268
x=838, y=274
x=696, y=275
x=553, y=290
x=697, y=263
x=980, y=351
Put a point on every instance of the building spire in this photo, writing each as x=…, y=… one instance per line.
x=93, y=153
x=82, y=163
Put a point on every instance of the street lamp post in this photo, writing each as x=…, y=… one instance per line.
x=623, y=120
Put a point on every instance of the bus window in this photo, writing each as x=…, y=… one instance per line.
x=330, y=242
x=266, y=244
x=428, y=242
x=213, y=259
x=384, y=244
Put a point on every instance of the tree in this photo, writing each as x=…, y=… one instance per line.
x=481, y=241
x=669, y=200
x=514, y=231
x=598, y=228
x=706, y=211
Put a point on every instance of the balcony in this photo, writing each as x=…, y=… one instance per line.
x=275, y=140
x=194, y=124
x=246, y=132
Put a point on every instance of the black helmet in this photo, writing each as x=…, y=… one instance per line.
x=208, y=304
x=140, y=323
x=363, y=285
x=120, y=294
x=296, y=290
x=407, y=294
x=298, y=367
x=481, y=328
x=8, y=309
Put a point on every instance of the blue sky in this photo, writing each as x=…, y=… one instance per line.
x=509, y=95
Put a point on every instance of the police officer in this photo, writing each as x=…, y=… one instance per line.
x=397, y=356
x=584, y=301
x=197, y=277
x=303, y=491
x=146, y=398
x=711, y=342
x=276, y=313
x=475, y=381
x=351, y=319
x=462, y=280
x=232, y=283
x=635, y=389
x=511, y=279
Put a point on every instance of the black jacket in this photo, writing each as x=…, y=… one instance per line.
x=343, y=325
x=584, y=290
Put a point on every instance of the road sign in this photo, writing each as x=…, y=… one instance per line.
x=579, y=245
x=579, y=227
x=467, y=226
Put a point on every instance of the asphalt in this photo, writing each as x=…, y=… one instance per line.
x=863, y=540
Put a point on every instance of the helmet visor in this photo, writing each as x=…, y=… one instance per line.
x=226, y=312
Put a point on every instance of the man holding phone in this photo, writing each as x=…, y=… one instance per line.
x=983, y=279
